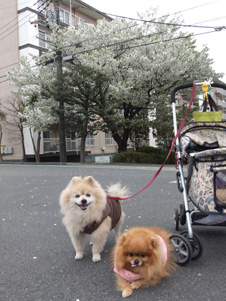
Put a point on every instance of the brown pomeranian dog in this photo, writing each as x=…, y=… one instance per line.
x=88, y=210
x=142, y=257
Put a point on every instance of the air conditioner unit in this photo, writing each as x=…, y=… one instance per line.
x=51, y=16
x=8, y=150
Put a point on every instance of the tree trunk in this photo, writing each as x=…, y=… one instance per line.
x=82, y=150
x=62, y=140
x=122, y=141
x=37, y=154
x=36, y=149
x=83, y=140
x=22, y=142
x=0, y=144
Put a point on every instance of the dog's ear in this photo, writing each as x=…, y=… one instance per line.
x=90, y=180
x=123, y=238
x=153, y=241
x=75, y=180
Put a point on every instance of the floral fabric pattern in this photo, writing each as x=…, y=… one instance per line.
x=208, y=135
x=200, y=138
x=201, y=188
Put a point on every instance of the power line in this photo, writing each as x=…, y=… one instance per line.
x=8, y=66
x=141, y=45
x=157, y=22
x=163, y=23
x=4, y=81
x=5, y=74
x=15, y=5
x=148, y=35
x=15, y=19
x=17, y=23
x=211, y=20
x=172, y=39
x=187, y=9
x=129, y=40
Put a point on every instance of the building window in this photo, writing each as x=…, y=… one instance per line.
x=71, y=142
x=90, y=140
x=50, y=144
x=79, y=22
x=42, y=39
x=108, y=139
x=64, y=16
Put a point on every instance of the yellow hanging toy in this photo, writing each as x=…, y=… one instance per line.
x=205, y=88
x=212, y=116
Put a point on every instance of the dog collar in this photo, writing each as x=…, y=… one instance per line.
x=129, y=276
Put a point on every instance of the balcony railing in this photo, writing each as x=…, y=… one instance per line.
x=52, y=145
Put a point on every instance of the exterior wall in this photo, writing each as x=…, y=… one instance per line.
x=28, y=143
x=100, y=146
x=22, y=21
x=9, y=58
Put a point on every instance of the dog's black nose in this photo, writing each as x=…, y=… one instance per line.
x=136, y=261
x=84, y=201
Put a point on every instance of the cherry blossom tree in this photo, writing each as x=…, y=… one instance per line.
x=138, y=58
x=139, y=63
x=36, y=104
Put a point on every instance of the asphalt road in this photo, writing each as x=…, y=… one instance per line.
x=36, y=255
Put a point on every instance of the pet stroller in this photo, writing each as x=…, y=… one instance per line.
x=201, y=147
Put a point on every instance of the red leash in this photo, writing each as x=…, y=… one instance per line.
x=174, y=140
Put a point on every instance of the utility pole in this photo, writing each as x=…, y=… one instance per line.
x=59, y=97
x=60, y=100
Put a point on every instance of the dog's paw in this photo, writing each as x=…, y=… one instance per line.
x=78, y=256
x=127, y=292
x=96, y=258
x=135, y=285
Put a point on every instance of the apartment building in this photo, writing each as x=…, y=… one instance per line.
x=23, y=30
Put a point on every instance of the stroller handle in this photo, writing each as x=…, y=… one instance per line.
x=190, y=85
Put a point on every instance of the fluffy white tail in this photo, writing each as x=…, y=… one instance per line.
x=117, y=190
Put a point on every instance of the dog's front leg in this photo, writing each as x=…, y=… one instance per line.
x=124, y=286
x=136, y=284
x=78, y=243
x=98, y=239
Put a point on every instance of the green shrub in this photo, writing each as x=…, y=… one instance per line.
x=148, y=149
x=141, y=157
x=131, y=157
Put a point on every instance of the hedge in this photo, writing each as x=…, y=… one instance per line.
x=143, y=157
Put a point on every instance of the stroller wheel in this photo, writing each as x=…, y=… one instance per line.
x=182, y=249
x=176, y=219
x=182, y=215
x=197, y=247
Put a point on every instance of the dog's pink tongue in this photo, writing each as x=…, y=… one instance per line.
x=84, y=207
x=133, y=265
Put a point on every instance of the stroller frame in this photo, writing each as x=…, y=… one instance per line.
x=187, y=245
